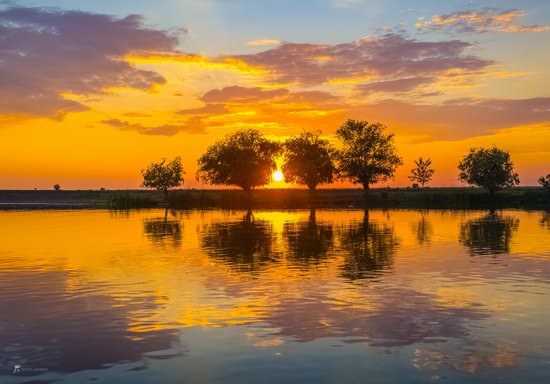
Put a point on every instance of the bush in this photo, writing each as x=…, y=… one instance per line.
x=127, y=201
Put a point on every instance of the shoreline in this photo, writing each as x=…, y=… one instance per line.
x=430, y=198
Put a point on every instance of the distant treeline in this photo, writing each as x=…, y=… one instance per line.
x=366, y=156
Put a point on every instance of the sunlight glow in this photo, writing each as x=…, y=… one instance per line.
x=278, y=176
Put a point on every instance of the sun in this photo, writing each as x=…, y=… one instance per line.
x=277, y=176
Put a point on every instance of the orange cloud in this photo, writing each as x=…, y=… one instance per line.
x=195, y=125
x=390, y=57
x=485, y=20
x=255, y=43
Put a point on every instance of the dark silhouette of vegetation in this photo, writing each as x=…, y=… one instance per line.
x=163, y=176
x=422, y=173
x=368, y=155
x=491, y=169
x=57, y=187
x=126, y=200
x=370, y=248
x=488, y=235
x=544, y=182
x=245, y=159
x=309, y=160
x=309, y=242
x=243, y=245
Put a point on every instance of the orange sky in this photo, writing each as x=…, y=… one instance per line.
x=90, y=110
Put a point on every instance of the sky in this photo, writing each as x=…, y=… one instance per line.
x=93, y=91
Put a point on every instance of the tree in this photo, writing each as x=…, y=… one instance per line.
x=245, y=159
x=309, y=160
x=422, y=173
x=57, y=187
x=491, y=169
x=544, y=181
x=368, y=155
x=163, y=176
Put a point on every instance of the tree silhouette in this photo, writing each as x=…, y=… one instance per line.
x=308, y=242
x=544, y=182
x=491, y=169
x=368, y=155
x=422, y=173
x=488, y=235
x=245, y=159
x=57, y=187
x=369, y=247
x=243, y=245
x=163, y=176
x=309, y=160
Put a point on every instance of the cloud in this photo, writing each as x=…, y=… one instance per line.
x=194, y=126
x=208, y=109
x=456, y=119
x=256, y=43
x=46, y=53
x=390, y=56
x=242, y=94
x=395, y=86
x=485, y=20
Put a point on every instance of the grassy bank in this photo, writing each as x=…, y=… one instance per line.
x=433, y=198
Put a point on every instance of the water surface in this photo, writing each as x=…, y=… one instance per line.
x=275, y=296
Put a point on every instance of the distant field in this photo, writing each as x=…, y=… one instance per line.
x=432, y=198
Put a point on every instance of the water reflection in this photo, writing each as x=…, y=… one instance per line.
x=545, y=220
x=488, y=235
x=471, y=357
x=400, y=317
x=244, y=245
x=42, y=325
x=422, y=229
x=369, y=247
x=87, y=290
x=308, y=241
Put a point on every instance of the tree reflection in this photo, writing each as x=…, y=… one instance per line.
x=244, y=245
x=488, y=235
x=369, y=247
x=162, y=230
x=308, y=242
x=422, y=229
x=545, y=220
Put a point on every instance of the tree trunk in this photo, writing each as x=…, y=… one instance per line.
x=366, y=189
x=312, y=191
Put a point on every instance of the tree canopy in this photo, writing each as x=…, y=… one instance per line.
x=245, y=159
x=544, y=181
x=491, y=169
x=422, y=173
x=368, y=155
x=309, y=160
x=163, y=175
